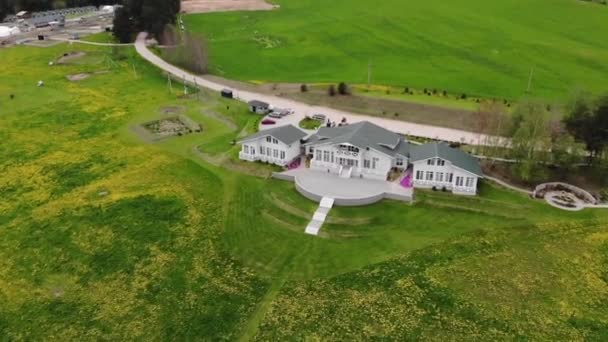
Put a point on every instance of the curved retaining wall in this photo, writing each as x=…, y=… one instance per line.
x=572, y=188
x=345, y=202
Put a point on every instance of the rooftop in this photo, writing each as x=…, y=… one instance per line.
x=285, y=134
x=456, y=156
x=362, y=135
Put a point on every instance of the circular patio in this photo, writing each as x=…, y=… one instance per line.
x=315, y=185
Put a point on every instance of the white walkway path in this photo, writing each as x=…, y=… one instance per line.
x=303, y=109
x=320, y=215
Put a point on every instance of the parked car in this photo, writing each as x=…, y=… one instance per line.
x=319, y=117
x=275, y=115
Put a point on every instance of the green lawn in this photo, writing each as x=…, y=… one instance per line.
x=103, y=37
x=106, y=236
x=467, y=46
x=307, y=123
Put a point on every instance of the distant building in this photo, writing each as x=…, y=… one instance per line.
x=24, y=15
x=47, y=20
x=258, y=107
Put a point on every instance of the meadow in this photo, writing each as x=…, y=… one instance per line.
x=475, y=47
x=104, y=235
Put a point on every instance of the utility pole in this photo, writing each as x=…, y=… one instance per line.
x=530, y=80
x=169, y=82
x=185, y=86
x=196, y=89
x=369, y=73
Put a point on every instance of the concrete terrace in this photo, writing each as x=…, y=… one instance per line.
x=316, y=185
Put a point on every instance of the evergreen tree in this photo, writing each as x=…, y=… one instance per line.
x=123, y=27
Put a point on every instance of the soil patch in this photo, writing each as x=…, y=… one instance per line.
x=206, y=6
x=70, y=56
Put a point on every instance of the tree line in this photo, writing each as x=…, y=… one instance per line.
x=13, y=6
x=152, y=16
x=539, y=137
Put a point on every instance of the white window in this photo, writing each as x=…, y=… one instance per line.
x=269, y=139
x=440, y=162
x=252, y=150
x=282, y=154
x=374, y=162
x=275, y=153
x=429, y=175
x=399, y=162
x=419, y=175
x=440, y=176
x=450, y=177
x=275, y=141
x=332, y=157
x=318, y=155
x=246, y=149
x=459, y=181
x=469, y=182
x=326, y=156
x=431, y=161
x=268, y=151
x=366, y=163
x=262, y=150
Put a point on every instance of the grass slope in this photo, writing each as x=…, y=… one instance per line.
x=471, y=46
x=106, y=236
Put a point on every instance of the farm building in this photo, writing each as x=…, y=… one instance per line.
x=258, y=107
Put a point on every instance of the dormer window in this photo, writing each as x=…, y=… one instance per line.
x=269, y=139
x=440, y=162
x=430, y=161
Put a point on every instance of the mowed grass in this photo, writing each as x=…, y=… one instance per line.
x=104, y=235
x=467, y=46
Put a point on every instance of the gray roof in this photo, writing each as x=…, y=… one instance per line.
x=455, y=156
x=285, y=134
x=257, y=103
x=363, y=135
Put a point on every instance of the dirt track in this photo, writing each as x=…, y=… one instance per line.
x=205, y=6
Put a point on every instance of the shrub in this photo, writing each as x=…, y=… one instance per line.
x=303, y=88
x=343, y=89
x=331, y=91
x=434, y=188
x=444, y=189
x=425, y=90
x=463, y=96
x=406, y=90
x=445, y=93
x=434, y=91
x=396, y=114
x=604, y=195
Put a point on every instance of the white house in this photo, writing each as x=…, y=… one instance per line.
x=280, y=145
x=440, y=166
x=362, y=150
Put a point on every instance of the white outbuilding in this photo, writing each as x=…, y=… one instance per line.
x=7, y=32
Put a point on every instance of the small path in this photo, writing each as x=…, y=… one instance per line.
x=90, y=43
x=319, y=216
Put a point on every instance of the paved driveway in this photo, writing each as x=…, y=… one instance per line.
x=303, y=109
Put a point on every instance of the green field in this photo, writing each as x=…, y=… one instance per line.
x=481, y=48
x=105, y=236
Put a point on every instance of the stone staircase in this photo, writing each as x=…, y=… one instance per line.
x=319, y=216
